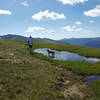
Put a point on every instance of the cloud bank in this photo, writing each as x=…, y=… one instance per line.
x=25, y=3
x=5, y=12
x=34, y=28
x=78, y=23
x=71, y=29
x=46, y=15
x=93, y=12
x=71, y=2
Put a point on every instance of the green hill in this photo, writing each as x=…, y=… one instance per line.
x=22, y=38
x=31, y=77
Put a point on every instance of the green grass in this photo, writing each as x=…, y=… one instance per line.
x=96, y=88
x=22, y=82
x=84, y=51
x=37, y=77
x=78, y=67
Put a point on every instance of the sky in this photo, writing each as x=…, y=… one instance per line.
x=54, y=19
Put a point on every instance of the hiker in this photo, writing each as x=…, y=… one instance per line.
x=30, y=43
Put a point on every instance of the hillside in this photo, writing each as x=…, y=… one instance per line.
x=26, y=77
x=22, y=38
x=94, y=44
x=89, y=42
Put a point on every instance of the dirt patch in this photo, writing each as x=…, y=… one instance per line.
x=67, y=82
x=73, y=90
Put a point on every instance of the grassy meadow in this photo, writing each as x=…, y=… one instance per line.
x=37, y=77
x=84, y=51
x=79, y=67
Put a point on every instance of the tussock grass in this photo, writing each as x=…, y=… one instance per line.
x=27, y=77
x=96, y=88
x=83, y=68
x=84, y=51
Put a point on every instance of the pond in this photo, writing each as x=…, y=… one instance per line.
x=90, y=79
x=64, y=55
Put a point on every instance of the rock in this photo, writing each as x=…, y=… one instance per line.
x=1, y=57
x=11, y=54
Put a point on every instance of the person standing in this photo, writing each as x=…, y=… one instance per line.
x=30, y=44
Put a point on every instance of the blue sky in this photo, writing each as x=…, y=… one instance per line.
x=54, y=19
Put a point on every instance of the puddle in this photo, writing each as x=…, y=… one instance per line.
x=92, y=78
x=64, y=55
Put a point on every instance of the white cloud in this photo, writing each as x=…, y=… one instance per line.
x=78, y=23
x=46, y=15
x=71, y=29
x=5, y=12
x=97, y=6
x=25, y=3
x=72, y=2
x=34, y=28
x=93, y=12
x=91, y=21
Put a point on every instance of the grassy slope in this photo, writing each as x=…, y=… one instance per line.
x=84, y=51
x=23, y=77
x=80, y=67
x=96, y=88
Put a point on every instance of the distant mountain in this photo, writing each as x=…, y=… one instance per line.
x=22, y=38
x=89, y=42
x=13, y=37
x=94, y=44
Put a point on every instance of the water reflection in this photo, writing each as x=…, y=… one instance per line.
x=90, y=79
x=64, y=55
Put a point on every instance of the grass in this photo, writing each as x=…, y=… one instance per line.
x=96, y=88
x=22, y=82
x=84, y=51
x=37, y=77
x=83, y=68
x=80, y=68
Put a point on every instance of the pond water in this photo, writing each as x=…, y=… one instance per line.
x=64, y=55
x=92, y=78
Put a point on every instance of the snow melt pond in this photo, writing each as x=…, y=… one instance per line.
x=90, y=79
x=64, y=55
